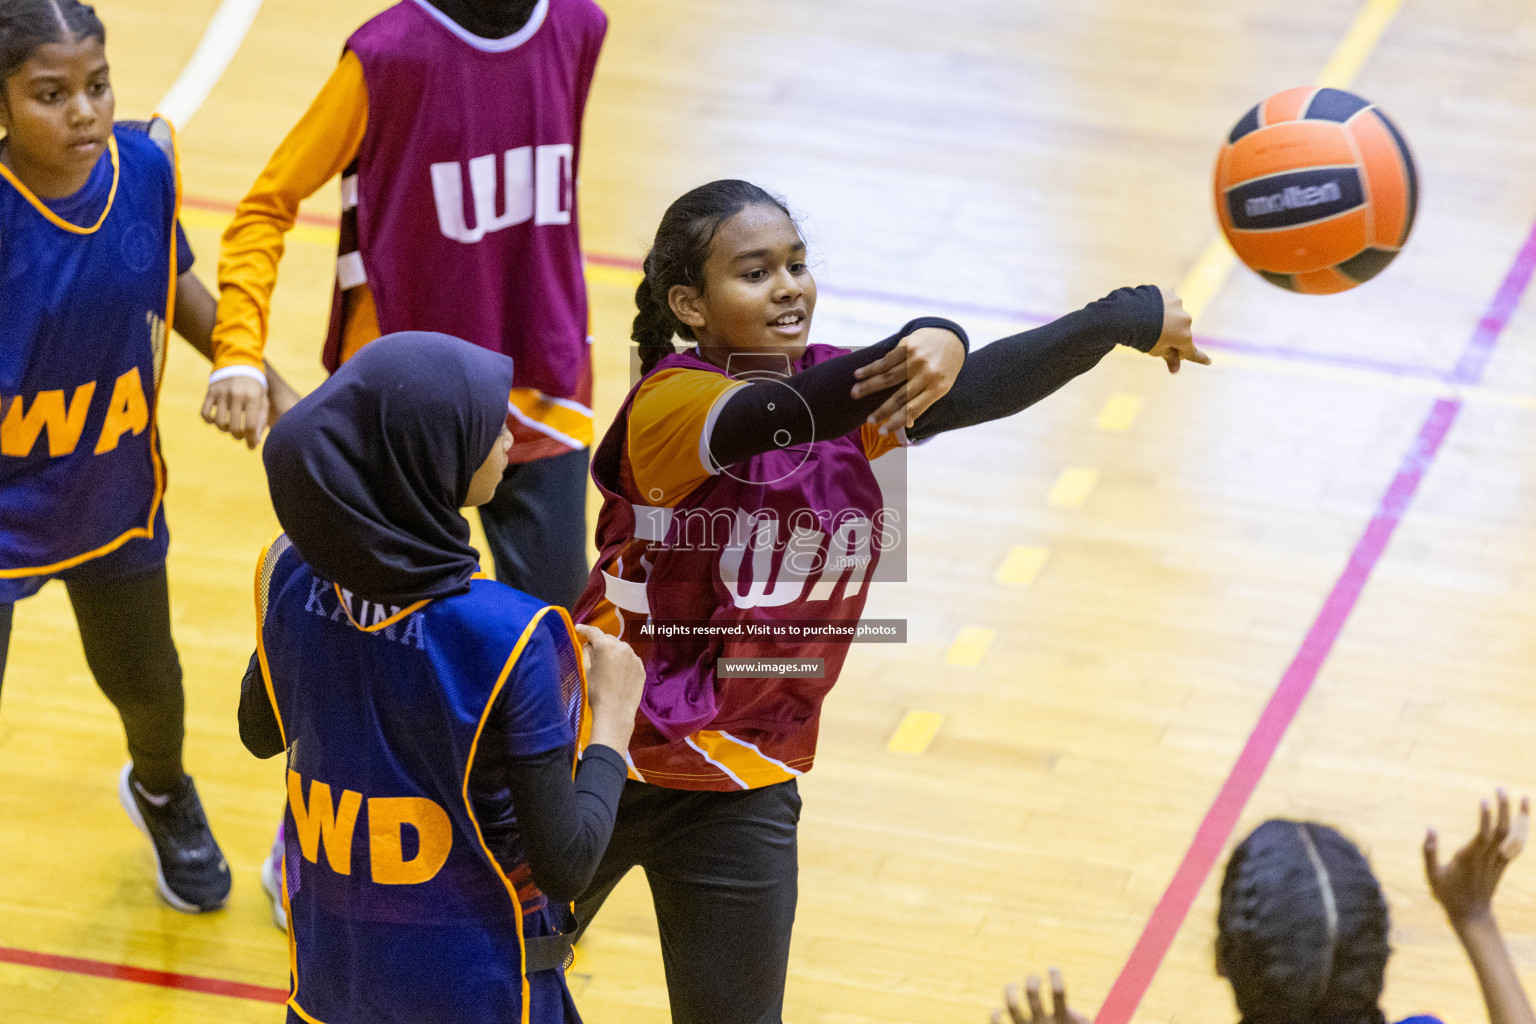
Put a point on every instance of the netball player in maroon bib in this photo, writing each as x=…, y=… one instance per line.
x=739, y=498
x=456, y=128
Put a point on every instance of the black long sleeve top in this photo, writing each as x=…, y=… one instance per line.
x=998, y=380
x=1015, y=372
x=488, y=19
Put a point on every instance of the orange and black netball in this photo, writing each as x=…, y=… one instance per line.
x=1316, y=190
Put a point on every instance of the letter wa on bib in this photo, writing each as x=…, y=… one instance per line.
x=83, y=314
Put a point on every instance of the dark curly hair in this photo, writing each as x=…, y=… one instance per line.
x=678, y=254
x=1302, y=927
x=26, y=25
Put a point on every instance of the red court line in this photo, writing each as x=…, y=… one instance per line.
x=621, y=262
x=124, y=972
x=1211, y=838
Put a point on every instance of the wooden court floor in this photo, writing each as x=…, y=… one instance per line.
x=1102, y=594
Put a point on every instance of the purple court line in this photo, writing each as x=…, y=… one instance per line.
x=917, y=302
x=949, y=305
x=1211, y=838
x=1300, y=355
x=1283, y=352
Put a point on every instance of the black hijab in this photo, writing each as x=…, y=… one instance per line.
x=369, y=471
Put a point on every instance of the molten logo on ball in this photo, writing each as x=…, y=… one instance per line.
x=1293, y=198
x=1297, y=197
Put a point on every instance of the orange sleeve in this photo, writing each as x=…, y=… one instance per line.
x=876, y=444
x=319, y=147
x=668, y=437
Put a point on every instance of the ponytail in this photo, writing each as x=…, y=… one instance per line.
x=678, y=255
x=654, y=325
x=26, y=25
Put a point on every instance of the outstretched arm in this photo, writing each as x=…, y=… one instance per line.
x=1014, y=373
x=1465, y=889
x=889, y=383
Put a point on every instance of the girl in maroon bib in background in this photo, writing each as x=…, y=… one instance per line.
x=456, y=128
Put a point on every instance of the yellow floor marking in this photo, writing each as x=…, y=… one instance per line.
x=617, y=277
x=1214, y=266
x=1022, y=565
x=1358, y=43
x=1073, y=487
x=970, y=646
x=915, y=732
x=1119, y=413
x=1207, y=276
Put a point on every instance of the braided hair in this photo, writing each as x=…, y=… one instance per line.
x=678, y=255
x=1302, y=927
x=26, y=25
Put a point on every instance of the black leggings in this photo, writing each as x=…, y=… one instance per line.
x=125, y=628
x=724, y=875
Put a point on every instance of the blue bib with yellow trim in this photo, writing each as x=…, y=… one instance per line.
x=83, y=319
x=398, y=909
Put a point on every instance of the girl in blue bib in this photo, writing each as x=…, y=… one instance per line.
x=94, y=271
x=433, y=719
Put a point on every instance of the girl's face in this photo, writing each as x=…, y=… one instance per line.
x=482, y=486
x=759, y=294
x=57, y=114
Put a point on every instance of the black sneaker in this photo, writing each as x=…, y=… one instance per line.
x=190, y=867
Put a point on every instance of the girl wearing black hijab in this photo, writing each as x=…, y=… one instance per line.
x=434, y=836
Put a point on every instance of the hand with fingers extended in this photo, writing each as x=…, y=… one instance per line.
x=1060, y=1013
x=1176, y=344
x=1465, y=886
x=924, y=365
